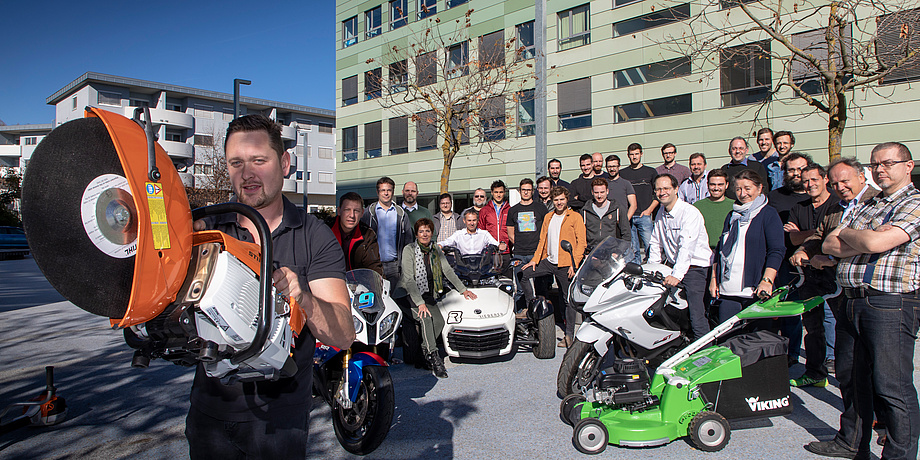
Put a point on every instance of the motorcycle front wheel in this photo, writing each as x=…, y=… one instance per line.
x=579, y=367
x=362, y=428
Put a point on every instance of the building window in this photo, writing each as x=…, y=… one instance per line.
x=651, y=20
x=74, y=101
x=399, y=76
x=203, y=169
x=350, y=143
x=492, y=118
x=653, y=108
x=325, y=153
x=204, y=140
x=453, y=3
x=372, y=19
x=897, y=37
x=617, y=3
x=814, y=42
x=426, y=131
x=526, y=115
x=399, y=135
x=299, y=175
x=138, y=102
x=426, y=68
x=350, y=90
x=349, y=31
x=399, y=13
x=492, y=50
x=573, y=104
x=204, y=111
x=745, y=73
x=457, y=60
x=105, y=98
x=31, y=140
x=372, y=84
x=725, y=4
x=574, y=27
x=427, y=8
x=372, y=140
x=655, y=71
x=325, y=128
x=173, y=136
x=525, y=41
x=325, y=177
x=172, y=106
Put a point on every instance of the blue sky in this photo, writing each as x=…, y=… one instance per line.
x=287, y=49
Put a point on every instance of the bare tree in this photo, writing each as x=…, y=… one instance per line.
x=459, y=89
x=825, y=48
x=212, y=179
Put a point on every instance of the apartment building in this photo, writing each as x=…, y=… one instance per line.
x=610, y=73
x=191, y=125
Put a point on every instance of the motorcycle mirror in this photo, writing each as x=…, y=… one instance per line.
x=566, y=246
x=633, y=268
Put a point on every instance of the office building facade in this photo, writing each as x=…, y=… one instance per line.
x=614, y=75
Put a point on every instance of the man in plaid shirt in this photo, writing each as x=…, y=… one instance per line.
x=878, y=245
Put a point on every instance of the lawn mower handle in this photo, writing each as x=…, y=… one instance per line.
x=265, y=277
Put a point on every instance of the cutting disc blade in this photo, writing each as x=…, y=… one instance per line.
x=79, y=217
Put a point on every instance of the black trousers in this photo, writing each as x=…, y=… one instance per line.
x=211, y=438
x=562, y=280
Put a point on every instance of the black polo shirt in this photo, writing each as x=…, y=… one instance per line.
x=307, y=246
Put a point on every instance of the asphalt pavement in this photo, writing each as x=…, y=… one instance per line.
x=503, y=408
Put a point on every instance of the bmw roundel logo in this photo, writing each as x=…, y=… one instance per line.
x=477, y=311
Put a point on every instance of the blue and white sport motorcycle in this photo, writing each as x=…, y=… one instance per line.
x=356, y=381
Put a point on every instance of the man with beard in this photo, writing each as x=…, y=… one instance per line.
x=581, y=186
x=479, y=200
x=524, y=222
x=695, y=187
x=270, y=419
x=783, y=199
x=554, y=167
x=410, y=204
x=597, y=161
x=769, y=158
x=738, y=150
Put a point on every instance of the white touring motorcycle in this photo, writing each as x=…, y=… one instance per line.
x=487, y=327
x=627, y=310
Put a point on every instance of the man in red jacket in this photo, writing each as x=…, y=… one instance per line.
x=492, y=219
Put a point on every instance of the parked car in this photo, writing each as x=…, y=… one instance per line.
x=13, y=243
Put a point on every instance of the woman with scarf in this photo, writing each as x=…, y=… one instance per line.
x=750, y=249
x=424, y=268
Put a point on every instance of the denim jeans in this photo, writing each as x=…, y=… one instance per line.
x=885, y=331
x=830, y=323
x=523, y=287
x=641, y=234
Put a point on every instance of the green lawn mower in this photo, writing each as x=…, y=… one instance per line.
x=695, y=392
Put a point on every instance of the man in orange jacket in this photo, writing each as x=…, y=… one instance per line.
x=563, y=224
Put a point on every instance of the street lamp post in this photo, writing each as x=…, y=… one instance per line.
x=236, y=95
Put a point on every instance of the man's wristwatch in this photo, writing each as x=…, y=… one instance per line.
x=767, y=280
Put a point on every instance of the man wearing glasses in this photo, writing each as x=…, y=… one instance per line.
x=479, y=200
x=878, y=245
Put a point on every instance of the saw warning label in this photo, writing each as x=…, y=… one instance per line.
x=157, y=205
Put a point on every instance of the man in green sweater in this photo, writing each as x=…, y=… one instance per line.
x=715, y=207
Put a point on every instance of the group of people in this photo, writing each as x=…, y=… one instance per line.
x=727, y=234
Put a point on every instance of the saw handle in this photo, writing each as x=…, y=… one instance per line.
x=263, y=323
